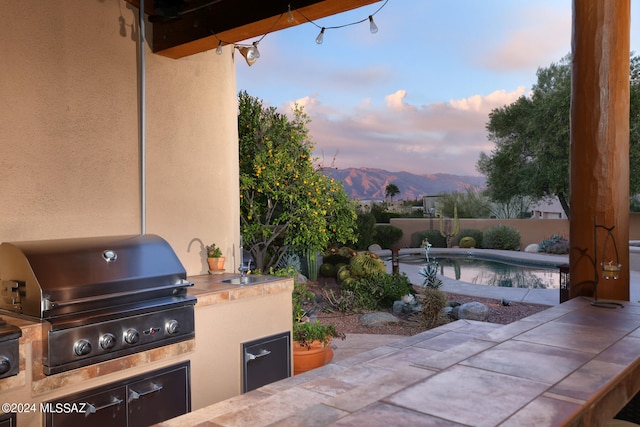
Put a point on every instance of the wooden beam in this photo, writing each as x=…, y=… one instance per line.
x=199, y=25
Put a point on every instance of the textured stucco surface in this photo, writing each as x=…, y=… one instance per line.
x=69, y=132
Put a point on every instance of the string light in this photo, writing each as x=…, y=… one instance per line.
x=372, y=25
x=320, y=37
x=290, y=18
x=251, y=52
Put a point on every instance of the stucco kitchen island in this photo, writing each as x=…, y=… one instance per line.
x=573, y=364
x=226, y=316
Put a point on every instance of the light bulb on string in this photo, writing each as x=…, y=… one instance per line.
x=320, y=37
x=219, y=48
x=290, y=18
x=372, y=25
x=254, y=53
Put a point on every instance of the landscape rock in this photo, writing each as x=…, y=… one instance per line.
x=374, y=247
x=301, y=279
x=471, y=311
x=400, y=307
x=378, y=319
x=533, y=248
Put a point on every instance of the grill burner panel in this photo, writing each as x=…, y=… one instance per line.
x=74, y=347
x=100, y=298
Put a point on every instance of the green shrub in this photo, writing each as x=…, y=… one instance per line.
x=366, y=224
x=556, y=244
x=435, y=238
x=501, y=237
x=473, y=233
x=378, y=291
x=387, y=235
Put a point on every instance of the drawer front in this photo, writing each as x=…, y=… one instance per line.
x=138, y=401
x=159, y=397
x=105, y=408
x=266, y=360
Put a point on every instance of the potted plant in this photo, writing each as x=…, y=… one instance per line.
x=215, y=258
x=311, y=340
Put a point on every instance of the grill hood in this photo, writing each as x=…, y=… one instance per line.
x=49, y=278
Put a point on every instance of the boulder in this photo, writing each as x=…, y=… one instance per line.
x=533, y=248
x=471, y=311
x=378, y=318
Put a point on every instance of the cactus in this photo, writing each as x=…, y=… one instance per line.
x=366, y=264
x=449, y=234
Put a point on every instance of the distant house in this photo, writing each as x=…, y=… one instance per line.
x=548, y=209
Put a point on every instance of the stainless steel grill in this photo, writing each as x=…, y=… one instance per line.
x=100, y=298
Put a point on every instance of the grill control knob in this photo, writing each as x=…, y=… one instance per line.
x=5, y=365
x=107, y=341
x=131, y=336
x=172, y=327
x=82, y=347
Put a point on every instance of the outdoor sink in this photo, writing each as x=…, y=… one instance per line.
x=249, y=280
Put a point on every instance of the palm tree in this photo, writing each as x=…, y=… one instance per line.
x=391, y=190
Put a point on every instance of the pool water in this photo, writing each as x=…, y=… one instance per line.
x=497, y=273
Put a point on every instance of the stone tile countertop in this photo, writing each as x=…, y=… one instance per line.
x=571, y=365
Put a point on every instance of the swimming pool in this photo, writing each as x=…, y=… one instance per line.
x=493, y=272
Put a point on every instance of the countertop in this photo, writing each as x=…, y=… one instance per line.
x=208, y=289
x=573, y=364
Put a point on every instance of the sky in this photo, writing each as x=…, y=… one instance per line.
x=416, y=95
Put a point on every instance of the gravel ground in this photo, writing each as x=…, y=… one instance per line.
x=350, y=323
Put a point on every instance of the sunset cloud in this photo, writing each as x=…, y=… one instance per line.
x=443, y=137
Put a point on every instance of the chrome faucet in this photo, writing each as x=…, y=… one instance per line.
x=244, y=269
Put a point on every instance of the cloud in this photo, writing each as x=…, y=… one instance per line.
x=442, y=137
x=395, y=101
x=536, y=37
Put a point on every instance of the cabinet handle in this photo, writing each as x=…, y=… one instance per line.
x=92, y=409
x=249, y=356
x=133, y=395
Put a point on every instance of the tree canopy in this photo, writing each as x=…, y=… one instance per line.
x=391, y=191
x=532, y=137
x=285, y=201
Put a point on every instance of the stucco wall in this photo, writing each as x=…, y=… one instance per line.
x=531, y=230
x=69, y=132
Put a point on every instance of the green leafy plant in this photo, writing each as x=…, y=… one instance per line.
x=285, y=201
x=213, y=251
x=502, y=237
x=387, y=235
x=305, y=333
x=379, y=290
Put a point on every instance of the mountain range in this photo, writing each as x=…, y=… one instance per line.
x=371, y=184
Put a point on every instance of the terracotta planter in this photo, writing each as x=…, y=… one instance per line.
x=216, y=264
x=306, y=359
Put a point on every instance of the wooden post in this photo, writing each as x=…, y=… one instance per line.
x=599, y=143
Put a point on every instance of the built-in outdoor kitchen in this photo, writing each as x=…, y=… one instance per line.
x=111, y=331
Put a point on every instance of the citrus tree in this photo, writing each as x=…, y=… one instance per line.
x=286, y=202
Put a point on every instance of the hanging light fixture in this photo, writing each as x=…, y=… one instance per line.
x=253, y=50
x=249, y=57
x=372, y=25
x=219, y=48
x=290, y=18
x=320, y=37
